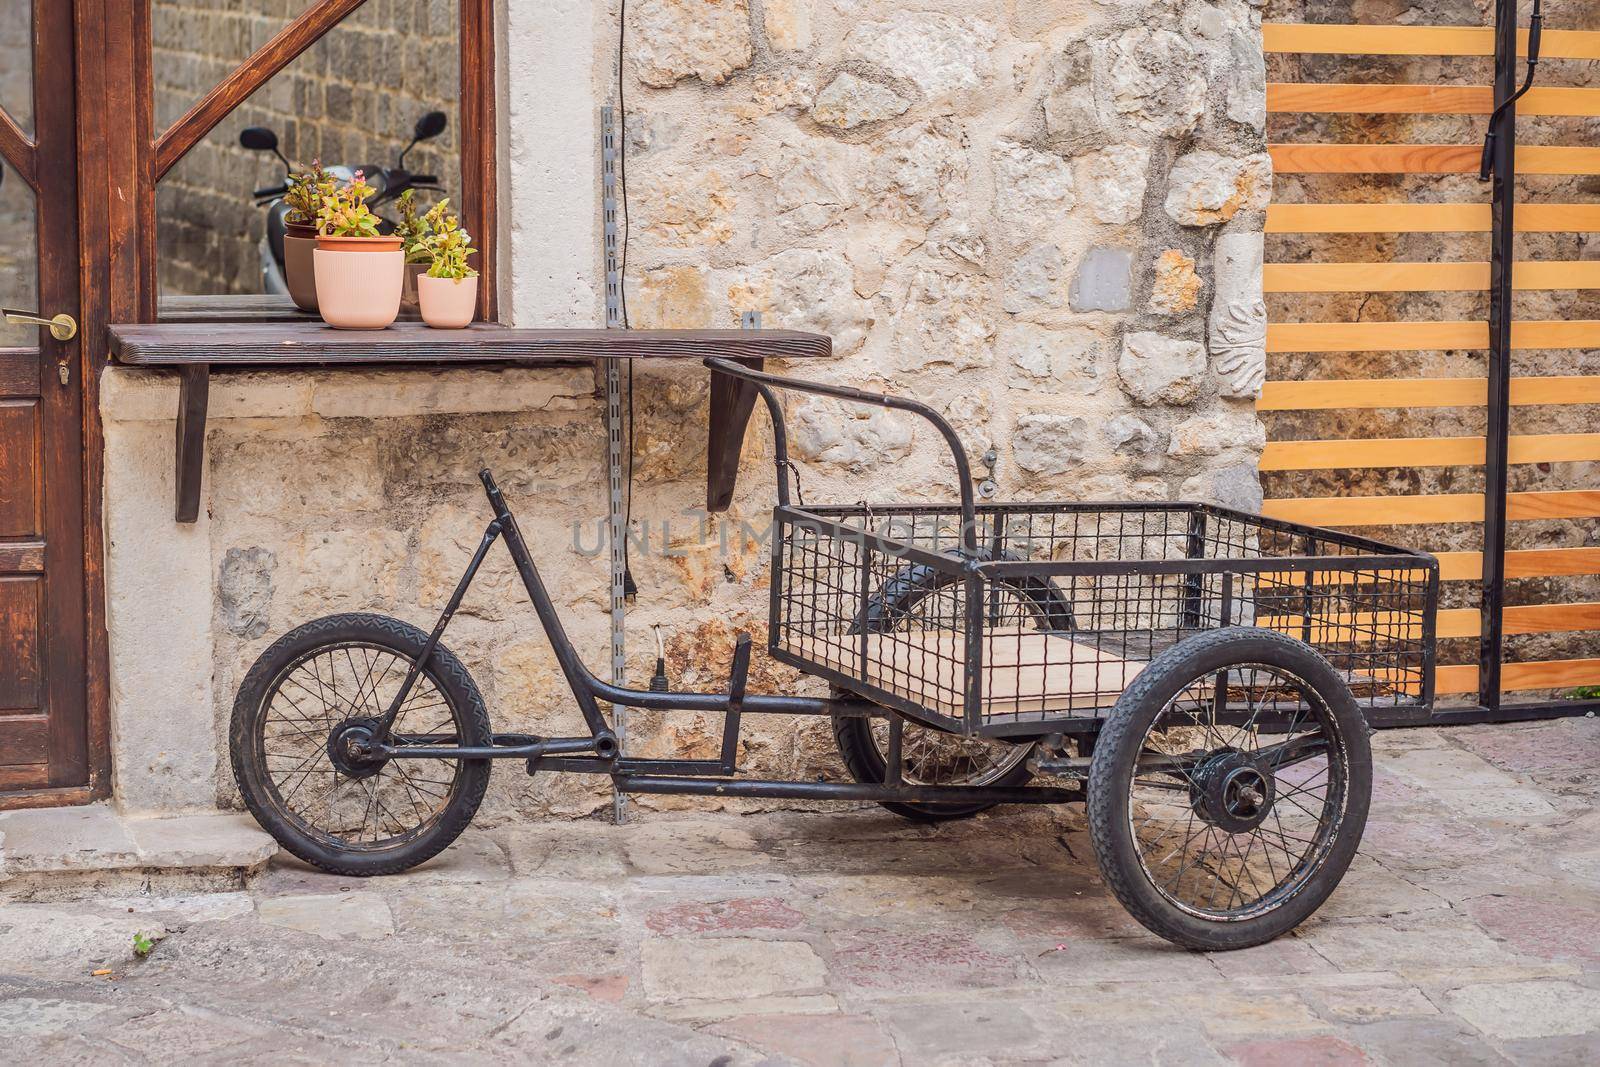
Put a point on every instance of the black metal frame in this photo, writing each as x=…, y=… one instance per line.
x=600, y=752
x=1500, y=150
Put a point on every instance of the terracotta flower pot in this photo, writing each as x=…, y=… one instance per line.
x=359, y=281
x=300, y=269
x=408, y=295
x=447, y=303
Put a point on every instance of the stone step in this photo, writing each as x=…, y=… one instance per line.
x=51, y=853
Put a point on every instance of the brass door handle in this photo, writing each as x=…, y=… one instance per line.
x=63, y=327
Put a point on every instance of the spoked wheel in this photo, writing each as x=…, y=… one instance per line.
x=921, y=598
x=930, y=757
x=304, y=724
x=1229, y=789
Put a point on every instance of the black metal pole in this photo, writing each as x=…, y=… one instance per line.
x=1502, y=250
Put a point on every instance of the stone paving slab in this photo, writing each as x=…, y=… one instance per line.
x=91, y=846
x=1468, y=932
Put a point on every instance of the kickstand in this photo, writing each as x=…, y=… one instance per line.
x=736, y=682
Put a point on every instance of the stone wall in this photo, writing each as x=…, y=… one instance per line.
x=352, y=98
x=1338, y=307
x=1043, y=220
x=18, y=239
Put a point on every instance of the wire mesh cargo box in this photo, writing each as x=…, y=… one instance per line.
x=1065, y=603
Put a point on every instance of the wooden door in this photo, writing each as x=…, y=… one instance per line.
x=44, y=742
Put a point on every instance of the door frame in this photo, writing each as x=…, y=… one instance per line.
x=118, y=155
x=48, y=166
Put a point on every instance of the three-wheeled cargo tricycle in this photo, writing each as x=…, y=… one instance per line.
x=1196, y=675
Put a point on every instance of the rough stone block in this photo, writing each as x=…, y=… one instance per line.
x=1157, y=369
x=674, y=39
x=849, y=101
x=941, y=53
x=1104, y=281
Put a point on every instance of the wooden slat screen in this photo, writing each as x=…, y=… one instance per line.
x=1411, y=415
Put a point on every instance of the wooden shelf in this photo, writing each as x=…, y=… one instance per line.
x=277, y=343
x=196, y=348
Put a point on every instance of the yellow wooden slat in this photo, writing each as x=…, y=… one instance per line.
x=1400, y=99
x=1376, y=158
x=1561, y=504
x=1551, y=618
x=1425, y=451
x=1372, y=452
x=1553, y=447
x=1455, y=679
x=1424, y=277
x=1451, y=622
x=1425, y=159
x=1442, y=507
x=1336, y=393
x=1460, y=566
x=1540, y=674
x=1387, y=40
x=1331, y=394
x=1425, y=336
x=1359, y=626
x=1426, y=218
x=1465, y=567
x=1555, y=389
x=1551, y=562
x=1377, y=510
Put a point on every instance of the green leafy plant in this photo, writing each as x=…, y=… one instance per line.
x=306, y=190
x=443, y=245
x=1585, y=692
x=142, y=944
x=411, y=228
x=344, y=213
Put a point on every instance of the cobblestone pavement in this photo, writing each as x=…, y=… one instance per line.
x=1468, y=932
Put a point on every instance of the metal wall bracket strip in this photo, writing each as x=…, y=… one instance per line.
x=616, y=527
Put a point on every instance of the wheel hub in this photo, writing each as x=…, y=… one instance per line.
x=1230, y=791
x=350, y=748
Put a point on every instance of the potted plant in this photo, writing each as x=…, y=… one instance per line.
x=448, y=292
x=303, y=199
x=359, y=270
x=410, y=229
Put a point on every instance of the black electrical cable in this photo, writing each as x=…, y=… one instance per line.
x=1535, y=26
x=629, y=587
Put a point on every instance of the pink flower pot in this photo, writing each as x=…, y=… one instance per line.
x=359, y=281
x=447, y=303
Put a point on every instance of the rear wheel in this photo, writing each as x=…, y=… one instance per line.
x=302, y=723
x=929, y=757
x=921, y=598
x=1229, y=789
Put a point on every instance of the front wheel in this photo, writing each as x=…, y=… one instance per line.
x=1229, y=789
x=302, y=721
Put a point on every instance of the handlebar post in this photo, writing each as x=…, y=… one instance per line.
x=766, y=382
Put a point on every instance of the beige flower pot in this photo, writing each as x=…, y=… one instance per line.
x=447, y=303
x=359, y=281
x=300, y=271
